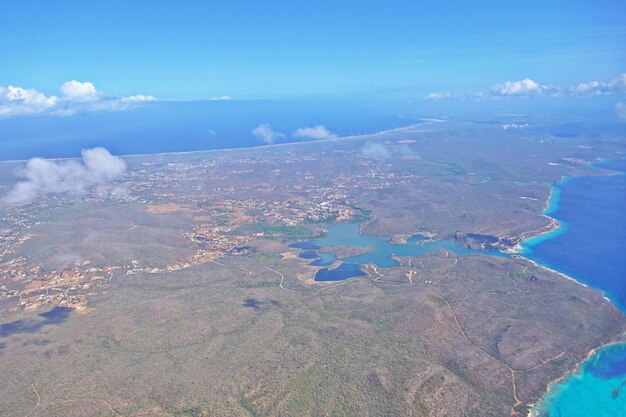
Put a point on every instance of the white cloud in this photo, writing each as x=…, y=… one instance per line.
x=586, y=87
x=221, y=98
x=620, y=109
x=528, y=87
x=438, y=95
x=525, y=87
x=75, y=90
x=137, y=99
x=616, y=85
x=265, y=133
x=17, y=101
x=375, y=150
x=315, y=132
x=514, y=126
x=43, y=176
x=75, y=97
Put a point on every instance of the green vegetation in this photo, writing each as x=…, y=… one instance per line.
x=265, y=256
x=362, y=215
x=451, y=168
x=190, y=412
x=326, y=220
x=288, y=232
x=247, y=405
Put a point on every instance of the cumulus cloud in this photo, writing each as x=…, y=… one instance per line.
x=438, y=95
x=265, y=133
x=137, y=99
x=42, y=176
x=525, y=87
x=221, y=98
x=75, y=97
x=75, y=90
x=15, y=101
x=529, y=87
x=315, y=132
x=375, y=150
x=620, y=109
x=616, y=85
x=586, y=87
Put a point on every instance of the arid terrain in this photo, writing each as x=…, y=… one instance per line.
x=174, y=291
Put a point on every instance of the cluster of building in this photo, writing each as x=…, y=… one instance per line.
x=227, y=199
x=67, y=286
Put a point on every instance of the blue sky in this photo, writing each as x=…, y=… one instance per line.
x=188, y=50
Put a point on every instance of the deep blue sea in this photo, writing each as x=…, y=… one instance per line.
x=590, y=247
x=186, y=126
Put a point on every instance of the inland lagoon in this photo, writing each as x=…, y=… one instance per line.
x=380, y=251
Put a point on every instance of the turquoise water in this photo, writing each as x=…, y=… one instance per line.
x=381, y=253
x=597, y=389
x=348, y=235
x=589, y=209
x=553, y=201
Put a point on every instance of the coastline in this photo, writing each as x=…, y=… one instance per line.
x=554, y=225
x=532, y=412
x=424, y=121
x=552, y=229
x=555, y=228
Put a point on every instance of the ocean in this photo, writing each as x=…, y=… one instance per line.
x=596, y=389
x=187, y=126
x=589, y=247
